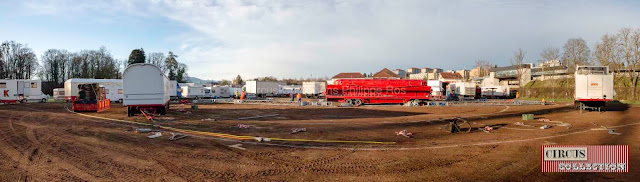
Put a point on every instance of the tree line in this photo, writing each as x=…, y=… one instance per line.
x=55, y=66
x=17, y=61
x=168, y=64
x=58, y=65
x=620, y=51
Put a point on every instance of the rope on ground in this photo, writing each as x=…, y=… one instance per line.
x=229, y=136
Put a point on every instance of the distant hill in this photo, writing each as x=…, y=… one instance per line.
x=198, y=80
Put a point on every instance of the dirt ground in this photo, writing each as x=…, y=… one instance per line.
x=45, y=142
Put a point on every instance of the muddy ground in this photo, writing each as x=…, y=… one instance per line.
x=45, y=142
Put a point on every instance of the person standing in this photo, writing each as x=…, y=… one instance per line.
x=299, y=97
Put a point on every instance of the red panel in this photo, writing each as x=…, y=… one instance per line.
x=378, y=90
x=100, y=106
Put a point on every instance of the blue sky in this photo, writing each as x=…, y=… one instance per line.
x=302, y=38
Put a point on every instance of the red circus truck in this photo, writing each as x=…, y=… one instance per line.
x=378, y=91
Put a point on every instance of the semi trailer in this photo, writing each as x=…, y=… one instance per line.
x=593, y=87
x=262, y=88
x=313, y=88
x=496, y=92
x=288, y=90
x=146, y=90
x=461, y=90
x=378, y=91
x=437, y=89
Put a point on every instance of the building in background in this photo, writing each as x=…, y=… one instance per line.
x=419, y=76
x=450, y=77
x=386, y=73
x=413, y=70
x=478, y=72
x=426, y=70
x=465, y=74
x=508, y=76
x=400, y=73
x=352, y=75
x=435, y=74
x=549, y=73
x=549, y=70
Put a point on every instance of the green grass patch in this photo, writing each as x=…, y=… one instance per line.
x=548, y=100
x=630, y=102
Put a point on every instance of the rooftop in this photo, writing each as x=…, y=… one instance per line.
x=348, y=75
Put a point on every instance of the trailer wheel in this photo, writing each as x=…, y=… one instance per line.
x=357, y=102
x=44, y=100
x=348, y=101
x=162, y=110
x=129, y=113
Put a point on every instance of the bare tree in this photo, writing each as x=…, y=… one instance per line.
x=518, y=62
x=608, y=52
x=576, y=52
x=636, y=63
x=483, y=66
x=550, y=53
x=629, y=40
x=17, y=61
x=158, y=59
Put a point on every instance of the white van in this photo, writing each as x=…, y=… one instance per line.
x=12, y=91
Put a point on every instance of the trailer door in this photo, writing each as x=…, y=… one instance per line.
x=20, y=89
x=594, y=87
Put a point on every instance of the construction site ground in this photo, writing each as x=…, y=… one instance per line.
x=46, y=142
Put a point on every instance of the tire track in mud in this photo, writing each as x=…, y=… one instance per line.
x=71, y=171
x=102, y=163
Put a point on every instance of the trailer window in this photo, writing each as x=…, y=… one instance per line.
x=106, y=91
x=61, y=93
x=119, y=91
x=3, y=85
x=34, y=85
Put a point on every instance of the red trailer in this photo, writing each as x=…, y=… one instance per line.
x=378, y=91
x=92, y=99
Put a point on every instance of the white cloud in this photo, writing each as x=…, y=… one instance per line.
x=299, y=38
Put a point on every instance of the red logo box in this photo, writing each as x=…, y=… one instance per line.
x=584, y=158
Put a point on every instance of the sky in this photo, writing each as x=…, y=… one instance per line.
x=219, y=39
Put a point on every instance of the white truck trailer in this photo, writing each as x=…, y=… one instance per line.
x=593, y=87
x=313, y=88
x=220, y=92
x=173, y=90
x=192, y=92
x=463, y=90
x=437, y=89
x=495, y=91
x=146, y=89
x=287, y=90
x=113, y=88
x=12, y=91
x=262, y=89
